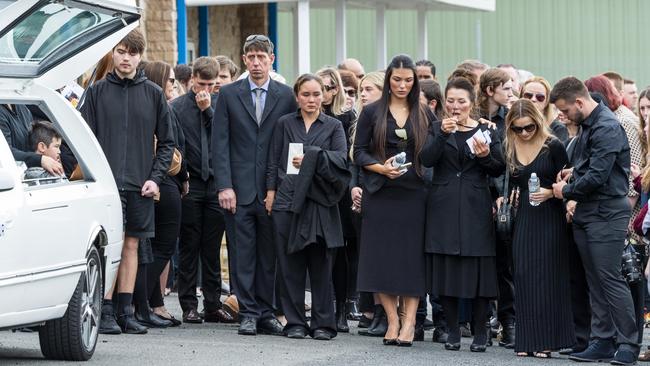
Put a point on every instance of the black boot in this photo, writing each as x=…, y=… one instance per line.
x=379, y=325
x=341, y=321
x=128, y=324
x=507, y=336
x=353, y=310
x=107, y=323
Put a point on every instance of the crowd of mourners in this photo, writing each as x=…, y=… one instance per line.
x=514, y=209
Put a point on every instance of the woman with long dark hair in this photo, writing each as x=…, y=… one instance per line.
x=460, y=227
x=391, y=259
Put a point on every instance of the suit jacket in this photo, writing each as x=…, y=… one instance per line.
x=459, y=206
x=322, y=182
x=239, y=146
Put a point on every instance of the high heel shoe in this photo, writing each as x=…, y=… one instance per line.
x=391, y=342
x=405, y=343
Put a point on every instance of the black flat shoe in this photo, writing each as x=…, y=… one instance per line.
x=477, y=347
x=151, y=320
x=129, y=325
x=452, y=346
x=321, y=335
x=270, y=326
x=247, y=326
x=390, y=342
x=297, y=333
x=175, y=322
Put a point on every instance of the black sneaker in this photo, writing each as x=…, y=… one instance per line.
x=600, y=350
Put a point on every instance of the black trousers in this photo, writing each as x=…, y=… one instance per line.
x=202, y=229
x=315, y=258
x=579, y=296
x=599, y=229
x=252, y=252
x=168, y=224
x=638, y=296
x=506, y=299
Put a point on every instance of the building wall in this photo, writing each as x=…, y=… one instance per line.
x=551, y=38
x=228, y=28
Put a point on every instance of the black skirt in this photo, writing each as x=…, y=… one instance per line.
x=391, y=256
x=461, y=276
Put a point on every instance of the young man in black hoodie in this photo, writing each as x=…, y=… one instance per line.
x=125, y=111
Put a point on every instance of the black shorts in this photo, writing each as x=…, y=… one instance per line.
x=138, y=215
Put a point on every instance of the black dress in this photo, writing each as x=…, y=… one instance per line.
x=391, y=258
x=541, y=260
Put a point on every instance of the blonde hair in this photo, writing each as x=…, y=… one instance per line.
x=338, y=101
x=548, y=110
x=490, y=79
x=521, y=109
x=376, y=78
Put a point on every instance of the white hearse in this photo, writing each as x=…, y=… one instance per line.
x=60, y=240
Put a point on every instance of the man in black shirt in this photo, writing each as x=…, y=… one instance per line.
x=125, y=111
x=202, y=223
x=599, y=185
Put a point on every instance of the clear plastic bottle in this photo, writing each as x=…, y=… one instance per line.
x=533, y=187
x=399, y=159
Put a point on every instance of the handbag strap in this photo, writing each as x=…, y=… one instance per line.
x=505, y=186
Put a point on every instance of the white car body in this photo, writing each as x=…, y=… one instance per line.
x=47, y=231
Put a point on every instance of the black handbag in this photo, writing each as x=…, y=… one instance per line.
x=631, y=263
x=505, y=214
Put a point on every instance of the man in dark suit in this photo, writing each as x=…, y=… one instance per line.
x=244, y=119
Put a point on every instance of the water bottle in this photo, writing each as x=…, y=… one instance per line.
x=533, y=187
x=399, y=159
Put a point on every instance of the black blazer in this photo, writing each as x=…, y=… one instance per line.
x=459, y=205
x=239, y=146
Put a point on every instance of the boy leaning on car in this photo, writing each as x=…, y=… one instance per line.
x=125, y=111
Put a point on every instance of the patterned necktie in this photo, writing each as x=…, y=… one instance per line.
x=259, y=108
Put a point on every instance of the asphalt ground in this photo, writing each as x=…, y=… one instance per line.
x=218, y=344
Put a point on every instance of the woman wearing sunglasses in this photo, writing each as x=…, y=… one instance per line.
x=334, y=102
x=539, y=246
x=537, y=90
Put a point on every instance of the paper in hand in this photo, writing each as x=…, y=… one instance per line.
x=479, y=136
x=295, y=149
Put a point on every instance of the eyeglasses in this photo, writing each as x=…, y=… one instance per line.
x=330, y=87
x=538, y=96
x=528, y=128
x=351, y=93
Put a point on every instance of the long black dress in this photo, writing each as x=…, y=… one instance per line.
x=541, y=260
x=391, y=257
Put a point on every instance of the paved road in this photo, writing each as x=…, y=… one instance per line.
x=218, y=344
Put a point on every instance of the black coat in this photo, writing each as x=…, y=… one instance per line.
x=124, y=115
x=15, y=126
x=322, y=182
x=459, y=205
x=240, y=148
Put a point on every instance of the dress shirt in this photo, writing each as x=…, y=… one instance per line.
x=601, y=159
x=264, y=87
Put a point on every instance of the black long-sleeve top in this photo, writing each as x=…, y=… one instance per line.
x=346, y=118
x=326, y=133
x=124, y=115
x=601, y=159
x=15, y=125
x=192, y=120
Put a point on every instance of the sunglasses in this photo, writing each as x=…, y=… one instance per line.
x=538, y=96
x=330, y=87
x=257, y=37
x=351, y=93
x=528, y=128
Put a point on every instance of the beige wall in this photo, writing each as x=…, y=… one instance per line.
x=229, y=26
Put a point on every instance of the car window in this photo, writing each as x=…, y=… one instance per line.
x=37, y=176
x=5, y=3
x=43, y=31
